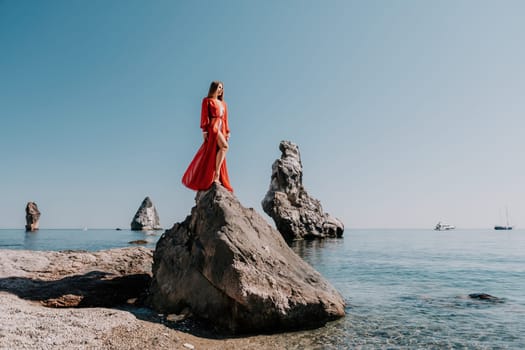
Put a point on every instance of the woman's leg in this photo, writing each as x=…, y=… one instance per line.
x=221, y=155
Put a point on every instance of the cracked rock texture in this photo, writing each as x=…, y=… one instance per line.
x=296, y=214
x=226, y=265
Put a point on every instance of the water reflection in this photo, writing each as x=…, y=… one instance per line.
x=303, y=248
x=74, y=239
x=314, y=251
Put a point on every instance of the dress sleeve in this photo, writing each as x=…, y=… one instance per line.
x=226, y=118
x=204, y=115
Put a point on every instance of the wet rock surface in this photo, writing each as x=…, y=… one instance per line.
x=485, y=297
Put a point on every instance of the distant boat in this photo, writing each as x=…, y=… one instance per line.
x=507, y=226
x=443, y=227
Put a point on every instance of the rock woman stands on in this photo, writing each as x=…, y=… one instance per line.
x=209, y=164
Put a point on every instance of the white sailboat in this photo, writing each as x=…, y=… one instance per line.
x=507, y=226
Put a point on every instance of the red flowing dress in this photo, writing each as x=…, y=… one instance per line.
x=200, y=172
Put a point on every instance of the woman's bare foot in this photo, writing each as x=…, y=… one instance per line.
x=216, y=180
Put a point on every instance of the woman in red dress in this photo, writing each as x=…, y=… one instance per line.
x=209, y=164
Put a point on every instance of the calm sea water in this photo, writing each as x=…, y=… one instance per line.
x=405, y=289
x=74, y=239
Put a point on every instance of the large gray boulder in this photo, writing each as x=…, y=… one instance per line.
x=32, y=216
x=295, y=213
x=146, y=218
x=227, y=265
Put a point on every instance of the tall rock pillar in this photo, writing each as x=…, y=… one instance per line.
x=32, y=217
x=295, y=213
x=146, y=218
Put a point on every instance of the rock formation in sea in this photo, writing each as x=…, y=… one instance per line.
x=295, y=213
x=32, y=216
x=225, y=264
x=146, y=218
x=485, y=297
x=138, y=241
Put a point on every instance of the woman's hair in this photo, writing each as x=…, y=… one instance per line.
x=213, y=87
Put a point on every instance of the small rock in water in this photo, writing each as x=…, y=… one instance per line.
x=484, y=296
x=138, y=241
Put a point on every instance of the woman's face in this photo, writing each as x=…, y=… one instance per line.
x=219, y=90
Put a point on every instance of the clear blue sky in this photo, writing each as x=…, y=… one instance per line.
x=405, y=112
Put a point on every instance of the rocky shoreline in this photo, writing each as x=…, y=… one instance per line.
x=27, y=325
x=222, y=271
x=31, y=321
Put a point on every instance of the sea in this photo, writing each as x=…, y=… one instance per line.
x=404, y=289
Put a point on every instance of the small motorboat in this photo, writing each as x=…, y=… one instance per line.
x=443, y=227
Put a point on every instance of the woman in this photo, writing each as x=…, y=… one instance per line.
x=209, y=164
